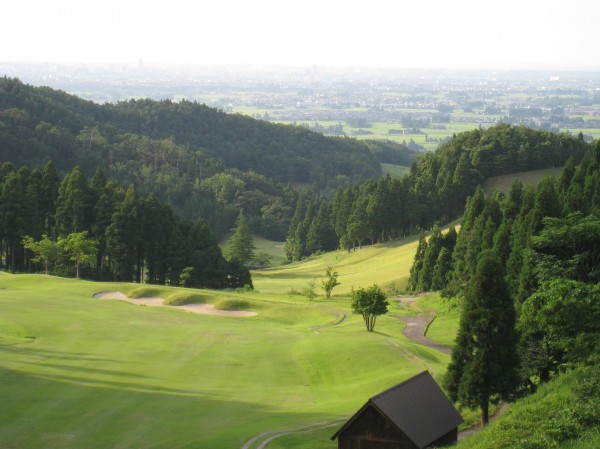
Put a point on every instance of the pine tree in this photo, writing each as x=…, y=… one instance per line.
x=74, y=204
x=49, y=196
x=417, y=266
x=443, y=266
x=123, y=237
x=484, y=361
x=434, y=246
x=241, y=245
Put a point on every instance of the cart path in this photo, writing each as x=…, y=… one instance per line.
x=340, y=317
x=415, y=331
x=261, y=440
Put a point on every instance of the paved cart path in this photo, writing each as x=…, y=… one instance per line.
x=415, y=330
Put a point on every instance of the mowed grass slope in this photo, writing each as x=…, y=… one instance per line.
x=78, y=372
x=386, y=264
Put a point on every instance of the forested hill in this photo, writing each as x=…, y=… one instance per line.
x=435, y=190
x=38, y=124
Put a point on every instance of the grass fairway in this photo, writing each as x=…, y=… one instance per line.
x=504, y=182
x=397, y=171
x=387, y=264
x=78, y=372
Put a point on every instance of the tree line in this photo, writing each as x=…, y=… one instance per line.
x=435, y=190
x=525, y=266
x=205, y=163
x=133, y=238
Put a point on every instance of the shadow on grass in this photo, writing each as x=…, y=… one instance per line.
x=47, y=354
x=50, y=411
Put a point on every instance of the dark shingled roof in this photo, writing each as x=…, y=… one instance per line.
x=418, y=407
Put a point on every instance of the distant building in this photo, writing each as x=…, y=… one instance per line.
x=414, y=414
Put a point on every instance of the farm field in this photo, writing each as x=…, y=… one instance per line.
x=83, y=372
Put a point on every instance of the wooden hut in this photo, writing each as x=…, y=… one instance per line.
x=414, y=414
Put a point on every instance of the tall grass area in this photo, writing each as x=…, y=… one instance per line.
x=564, y=413
x=81, y=372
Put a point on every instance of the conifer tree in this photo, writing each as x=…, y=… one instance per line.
x=241, y=245
x=74, y=204
x=443, y=266
x=49, y=195
x=484, y=360
x=434, y=246
x=122, y=237
x=417, y=266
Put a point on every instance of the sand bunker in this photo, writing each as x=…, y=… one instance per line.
x=206, y=309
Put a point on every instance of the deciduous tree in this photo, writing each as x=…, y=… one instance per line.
x=330, y=281
x=370, y=303
x=81, y=250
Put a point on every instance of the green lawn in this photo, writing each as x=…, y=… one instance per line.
x=397, y=171
x=504, y=182
x=386, y=264
x=79, y=372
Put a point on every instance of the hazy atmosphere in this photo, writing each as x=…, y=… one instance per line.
x=379, y=33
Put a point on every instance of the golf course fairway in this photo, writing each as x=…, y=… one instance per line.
x=79, y=372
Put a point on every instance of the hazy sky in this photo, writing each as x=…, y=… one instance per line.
x=371, y=33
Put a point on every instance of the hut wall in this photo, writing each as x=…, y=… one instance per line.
x=371, y=430
x=446, y=440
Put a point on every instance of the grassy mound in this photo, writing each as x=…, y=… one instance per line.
x=147, y=292
x=387, y=264
x=12, y=333
x=184, y=298
x=563, y=413
x=232, y=304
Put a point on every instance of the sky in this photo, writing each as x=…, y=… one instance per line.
x=454, y=34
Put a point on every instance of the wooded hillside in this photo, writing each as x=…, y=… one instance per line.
x=202, y=161
x=434, y=191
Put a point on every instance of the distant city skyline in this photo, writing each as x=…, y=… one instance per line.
x=454, y=34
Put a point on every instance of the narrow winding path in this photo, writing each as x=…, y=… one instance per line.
x=415, y=330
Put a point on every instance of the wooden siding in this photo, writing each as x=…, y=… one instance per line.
x=371, y=430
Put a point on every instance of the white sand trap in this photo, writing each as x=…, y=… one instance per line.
x=154, y=301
